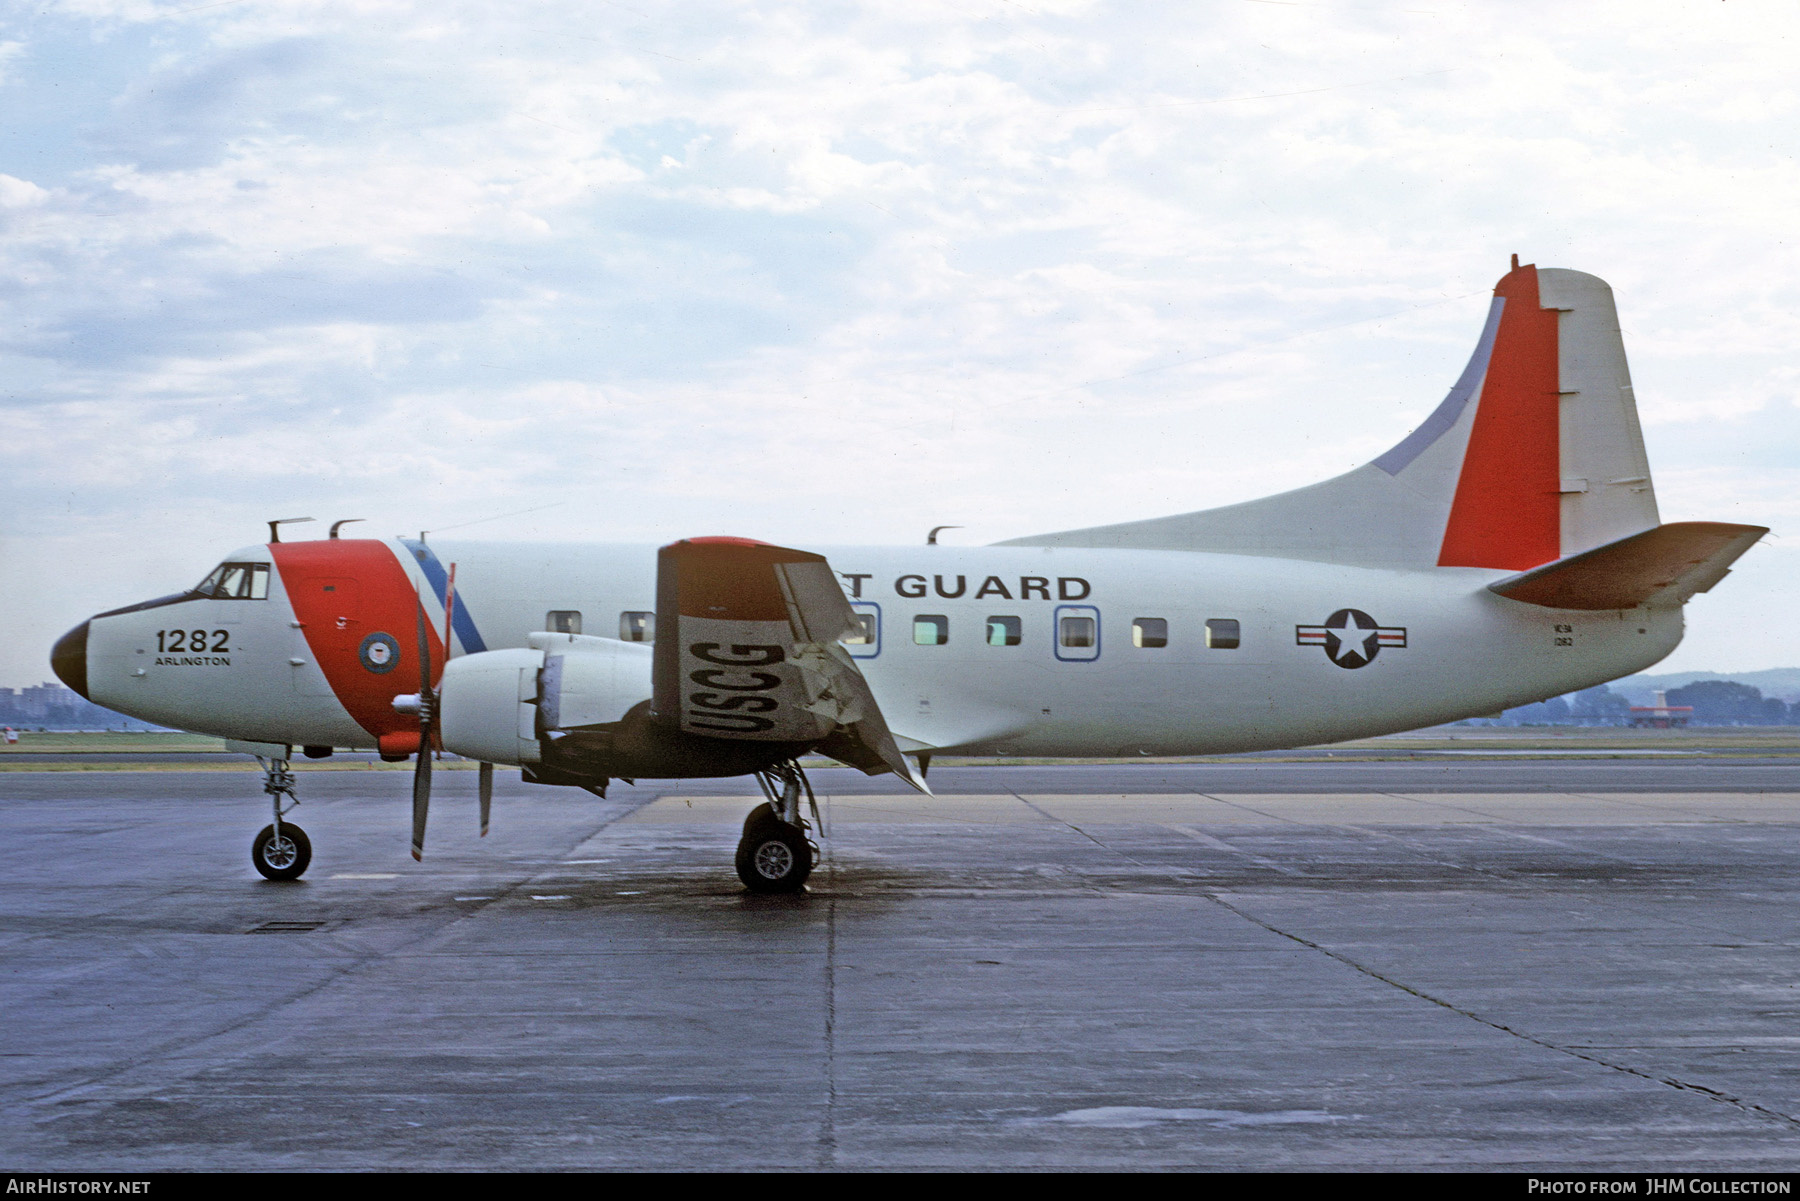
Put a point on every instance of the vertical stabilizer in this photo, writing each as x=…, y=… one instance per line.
x=1605, y=478
x=1535, y=454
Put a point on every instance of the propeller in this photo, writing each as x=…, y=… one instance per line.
x=428, y=722
x=422, y=770
x=486, y=779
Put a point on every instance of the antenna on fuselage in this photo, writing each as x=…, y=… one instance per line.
x=495, y=517
x=338, y=525
x=931, y=538
x=275, y=526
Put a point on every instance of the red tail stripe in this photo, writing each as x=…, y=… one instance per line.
x=1507, y=510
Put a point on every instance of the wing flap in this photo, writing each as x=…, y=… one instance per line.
x=1661, y=566
x=747, y=648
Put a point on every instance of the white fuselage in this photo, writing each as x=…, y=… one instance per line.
x=1449, y=648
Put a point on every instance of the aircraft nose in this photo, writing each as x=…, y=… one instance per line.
x=68, y=659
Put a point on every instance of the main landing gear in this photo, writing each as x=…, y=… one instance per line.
x=282, y=850
x=775, y=854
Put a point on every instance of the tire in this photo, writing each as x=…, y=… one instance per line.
x=774, y=858
x=762, y=815
x=277, y=861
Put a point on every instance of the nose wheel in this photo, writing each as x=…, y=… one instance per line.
x=775, y=854
x=283, y=854
x=281, y=851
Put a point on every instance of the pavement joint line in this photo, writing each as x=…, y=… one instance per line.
x=1681, y=809
x=1222, y=799
x=1747, y=1107
x=26, y=1107
x=1501, y=827
x=1219, y=844
x=546, y=867
x=1507, y=831
x=1675, y=922
x=828, y=1157
x=1411, y=849
x=1441, y=804
x=1628, y=802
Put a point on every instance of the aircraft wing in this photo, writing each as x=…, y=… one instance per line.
x=747, y=648
x=1664, y=565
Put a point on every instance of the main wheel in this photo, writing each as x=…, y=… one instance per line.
x=281, y=858
x=774, y=857
x=762, y=815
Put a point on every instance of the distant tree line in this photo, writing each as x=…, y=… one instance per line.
x=1715, y=703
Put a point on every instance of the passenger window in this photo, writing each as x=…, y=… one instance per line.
x=865, y=643
x=1004, y=631
x=563, y=621
x=1076, y=632
x=1222, y=633
x=931, y=630
x=635, y=625
x=1149, y=632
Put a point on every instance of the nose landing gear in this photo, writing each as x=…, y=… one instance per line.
x=281, y=850
x=775, y=853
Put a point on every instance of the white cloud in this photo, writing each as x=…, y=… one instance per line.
x=20, y=193
x=1025, y=266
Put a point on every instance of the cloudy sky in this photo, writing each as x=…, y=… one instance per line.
x=839, y=272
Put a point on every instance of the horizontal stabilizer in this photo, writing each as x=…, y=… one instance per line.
x=1661, y=566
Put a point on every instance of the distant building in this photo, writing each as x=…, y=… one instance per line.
x=51, y=706
x=1662, y=715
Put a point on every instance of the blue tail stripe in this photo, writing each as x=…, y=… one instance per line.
x=439, y=579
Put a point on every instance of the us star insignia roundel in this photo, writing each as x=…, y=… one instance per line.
x=1351, y=638
x=379, y=653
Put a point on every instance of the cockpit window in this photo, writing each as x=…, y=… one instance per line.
x=236, y=581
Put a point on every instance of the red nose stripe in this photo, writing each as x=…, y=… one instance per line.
x=1508, y=508
x=358, y=609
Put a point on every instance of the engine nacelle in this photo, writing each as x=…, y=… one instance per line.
x=487, y=706
x=576, y=710
x=497, y=705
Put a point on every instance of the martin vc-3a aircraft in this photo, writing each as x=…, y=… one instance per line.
x=1507, y=550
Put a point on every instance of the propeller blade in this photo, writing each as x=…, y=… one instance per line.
x=422, y=770
x=486, y=776
x=421, y=800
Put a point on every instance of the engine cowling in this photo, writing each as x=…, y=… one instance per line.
x=487, y=706
x=574, y=709
x=502, y=706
